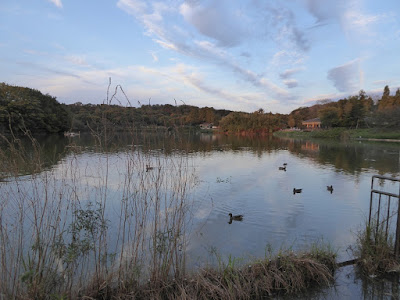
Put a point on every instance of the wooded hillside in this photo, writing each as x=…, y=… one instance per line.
x=23, y=109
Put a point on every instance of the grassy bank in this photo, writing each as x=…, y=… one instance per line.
x=343, y=133
x=284, y=274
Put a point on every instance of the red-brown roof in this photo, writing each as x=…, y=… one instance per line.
x=312, y=120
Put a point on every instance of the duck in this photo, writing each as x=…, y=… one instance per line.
x=235, y=218
x=282, y=168
x=330, y=188
x=285, y=164
x=296, y=190
x=148, y=167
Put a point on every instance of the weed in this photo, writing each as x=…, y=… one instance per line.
x=374, y=250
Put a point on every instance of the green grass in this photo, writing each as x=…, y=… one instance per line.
x=342, y=133
x=374, y=133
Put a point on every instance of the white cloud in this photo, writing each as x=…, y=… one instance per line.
x=348, y=13
x=57, y=3
x=77, y=60
x=216, y=19
x=291, y=83
x=132, y=7
x=198, y=82
x=380, y=83
x=154, y=55
x=290, y=72
x=360, y=23
x=346, y=78
x=219, y=26
x=324, y=11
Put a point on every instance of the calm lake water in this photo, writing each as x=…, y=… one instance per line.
x=241, y=175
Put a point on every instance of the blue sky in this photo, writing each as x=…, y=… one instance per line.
x=239, y=55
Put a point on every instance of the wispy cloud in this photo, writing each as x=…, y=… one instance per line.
x=47, y=69
x=197, y=81
x=57, y=3
x=325, y=11
x=291, y=83
x=216, y=31
x=380, y=83
x=77, y=60
x=154, y=55
x=290, y=72
x=285, y=57
x=348, y=13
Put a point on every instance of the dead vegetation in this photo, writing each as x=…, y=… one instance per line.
x=285, y=274
x=375, y=251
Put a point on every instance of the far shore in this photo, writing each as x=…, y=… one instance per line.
x=365, y=134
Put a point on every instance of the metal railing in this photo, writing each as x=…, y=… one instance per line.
x=389, y=197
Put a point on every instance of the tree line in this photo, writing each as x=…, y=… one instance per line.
x=358, y=111
x=24, y=109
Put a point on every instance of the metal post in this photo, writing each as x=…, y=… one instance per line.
x=396, y=245
x=390, y=196
x=387, y=220
x=370, y=201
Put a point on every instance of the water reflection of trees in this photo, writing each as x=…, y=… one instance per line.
x=28, y=155
x=379, y=288
x=353, y=157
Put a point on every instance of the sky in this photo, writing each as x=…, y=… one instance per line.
x=238, y=55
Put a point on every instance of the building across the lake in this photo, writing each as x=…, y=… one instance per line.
x=312, y=123
x=206, y=126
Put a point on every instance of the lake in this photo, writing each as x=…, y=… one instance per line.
x=212, y=175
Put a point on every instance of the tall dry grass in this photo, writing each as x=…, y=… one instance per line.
x=96, y=222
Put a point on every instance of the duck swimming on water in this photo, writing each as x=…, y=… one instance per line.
x=330, y=188
x=235, y=218
x=296, y=190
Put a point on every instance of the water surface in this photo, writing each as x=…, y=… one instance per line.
x=241, y=175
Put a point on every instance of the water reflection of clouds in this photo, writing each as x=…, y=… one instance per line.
x=266, y=193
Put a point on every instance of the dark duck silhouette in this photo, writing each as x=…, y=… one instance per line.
x=282, y=168
x=330, y=188
x=235, y=218
x=296, y=191
x=148, y=168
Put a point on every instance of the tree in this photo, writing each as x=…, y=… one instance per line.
x=291, y=121
x=386, y=100
x=329, y=116
x=386, y=92
x=25, y=109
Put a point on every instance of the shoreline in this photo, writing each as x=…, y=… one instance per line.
x=376, y=140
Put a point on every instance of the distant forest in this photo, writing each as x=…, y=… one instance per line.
x=24, y=109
